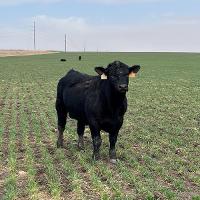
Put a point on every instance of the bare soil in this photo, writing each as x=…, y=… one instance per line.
x=6, y=53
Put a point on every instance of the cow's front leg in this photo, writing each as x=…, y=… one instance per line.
x=112, y=151
x=96, y=139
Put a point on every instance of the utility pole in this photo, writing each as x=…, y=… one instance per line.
x=65, y=43
x=34, y=39
x=84, y=48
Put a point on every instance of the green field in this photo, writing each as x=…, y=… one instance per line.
x=158, y=146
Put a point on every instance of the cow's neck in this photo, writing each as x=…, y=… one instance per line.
x=114, y=99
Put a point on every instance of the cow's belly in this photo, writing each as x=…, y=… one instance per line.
x=78, y=116
x=109, y=124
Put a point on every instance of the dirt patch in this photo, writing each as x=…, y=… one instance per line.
x=6, y=53
x=3, y=175
x=44, y=195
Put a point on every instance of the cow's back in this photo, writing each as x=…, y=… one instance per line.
x=72, y=90
x=73, y=77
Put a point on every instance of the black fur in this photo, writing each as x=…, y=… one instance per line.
x=101, y=104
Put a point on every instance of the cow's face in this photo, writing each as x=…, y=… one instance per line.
x=118, y=73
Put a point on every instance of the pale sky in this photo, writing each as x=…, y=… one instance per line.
x=103, y=25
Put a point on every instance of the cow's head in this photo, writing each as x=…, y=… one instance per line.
x=118, y=73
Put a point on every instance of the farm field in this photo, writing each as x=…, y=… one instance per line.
x=158, y=146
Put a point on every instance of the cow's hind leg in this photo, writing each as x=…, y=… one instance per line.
x=62, y=115
x=80, y=131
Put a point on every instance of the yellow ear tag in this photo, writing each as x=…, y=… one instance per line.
x=132, y=75
x=103, y=76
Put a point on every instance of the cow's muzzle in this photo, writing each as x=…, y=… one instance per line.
x=123, y=88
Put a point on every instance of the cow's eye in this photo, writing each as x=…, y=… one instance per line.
x=114, y=76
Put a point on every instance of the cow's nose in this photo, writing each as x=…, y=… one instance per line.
x=123, y=87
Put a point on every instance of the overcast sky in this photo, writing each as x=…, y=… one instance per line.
x=103, y=25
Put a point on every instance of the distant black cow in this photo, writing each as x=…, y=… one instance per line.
x=79, y=58
x=62, y=60
x=97, y=101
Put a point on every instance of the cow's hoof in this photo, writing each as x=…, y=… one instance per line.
x=80, y=145
x=113, y=161
x=96, y=157
x=59, y=144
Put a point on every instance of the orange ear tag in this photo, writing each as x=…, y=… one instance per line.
x=132, y=75
x=103, y=76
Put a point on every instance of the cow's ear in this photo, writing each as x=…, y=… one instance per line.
x=101, y=71
x=133, y=70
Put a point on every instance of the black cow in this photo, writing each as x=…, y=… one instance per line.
x=97, y=101
x=79, y=58
x=62, y=60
